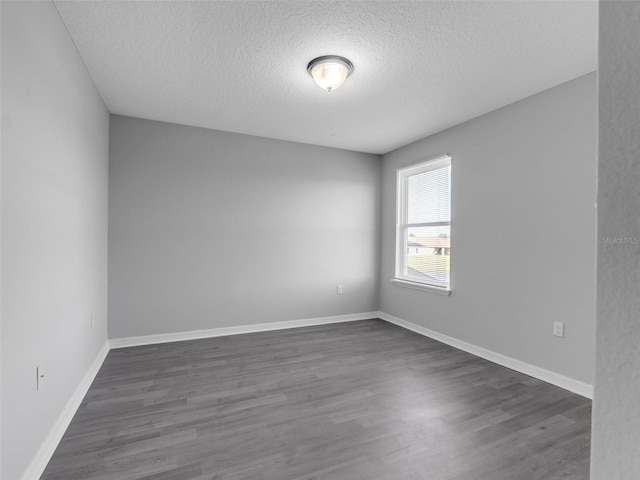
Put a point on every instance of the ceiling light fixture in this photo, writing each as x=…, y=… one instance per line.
x=330, y=71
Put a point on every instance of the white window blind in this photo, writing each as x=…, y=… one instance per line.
x=424, y=223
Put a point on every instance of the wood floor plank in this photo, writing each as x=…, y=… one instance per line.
x=358, y=400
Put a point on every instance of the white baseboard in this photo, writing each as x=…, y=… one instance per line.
x=223, y=331
x=48, y=447
x=571, y=384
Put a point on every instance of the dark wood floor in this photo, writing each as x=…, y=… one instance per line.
x=360, y=400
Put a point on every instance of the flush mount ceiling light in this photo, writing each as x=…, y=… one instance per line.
x=330, y=71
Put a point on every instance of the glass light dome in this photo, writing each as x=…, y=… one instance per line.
x=330, y=71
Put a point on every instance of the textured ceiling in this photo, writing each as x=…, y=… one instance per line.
x=240, y=66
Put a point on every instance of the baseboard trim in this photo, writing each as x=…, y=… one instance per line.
x=224, y=331
x=571, y=384
x=48, y=447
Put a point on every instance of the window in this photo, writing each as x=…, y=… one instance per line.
x=423, y=256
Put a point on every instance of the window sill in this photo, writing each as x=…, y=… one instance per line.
x=421, y=286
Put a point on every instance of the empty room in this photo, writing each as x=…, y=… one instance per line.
x=296, y=240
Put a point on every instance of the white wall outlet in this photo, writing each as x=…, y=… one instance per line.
x=93, y=321
x=39, y=377
x=558, y=329
x=339, y=289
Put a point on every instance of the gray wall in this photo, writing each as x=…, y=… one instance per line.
x=212, y=229
x=54, y=225
x=616, y=421
x=523, y=230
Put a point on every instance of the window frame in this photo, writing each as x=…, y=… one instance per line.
x=402, y=225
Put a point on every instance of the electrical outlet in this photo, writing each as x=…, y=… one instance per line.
x=339, y=290
x=558, y=329
x=93, y=321
x=39, y=377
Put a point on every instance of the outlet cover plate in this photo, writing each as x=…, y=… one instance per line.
x=39, y=377
x=558, y=329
